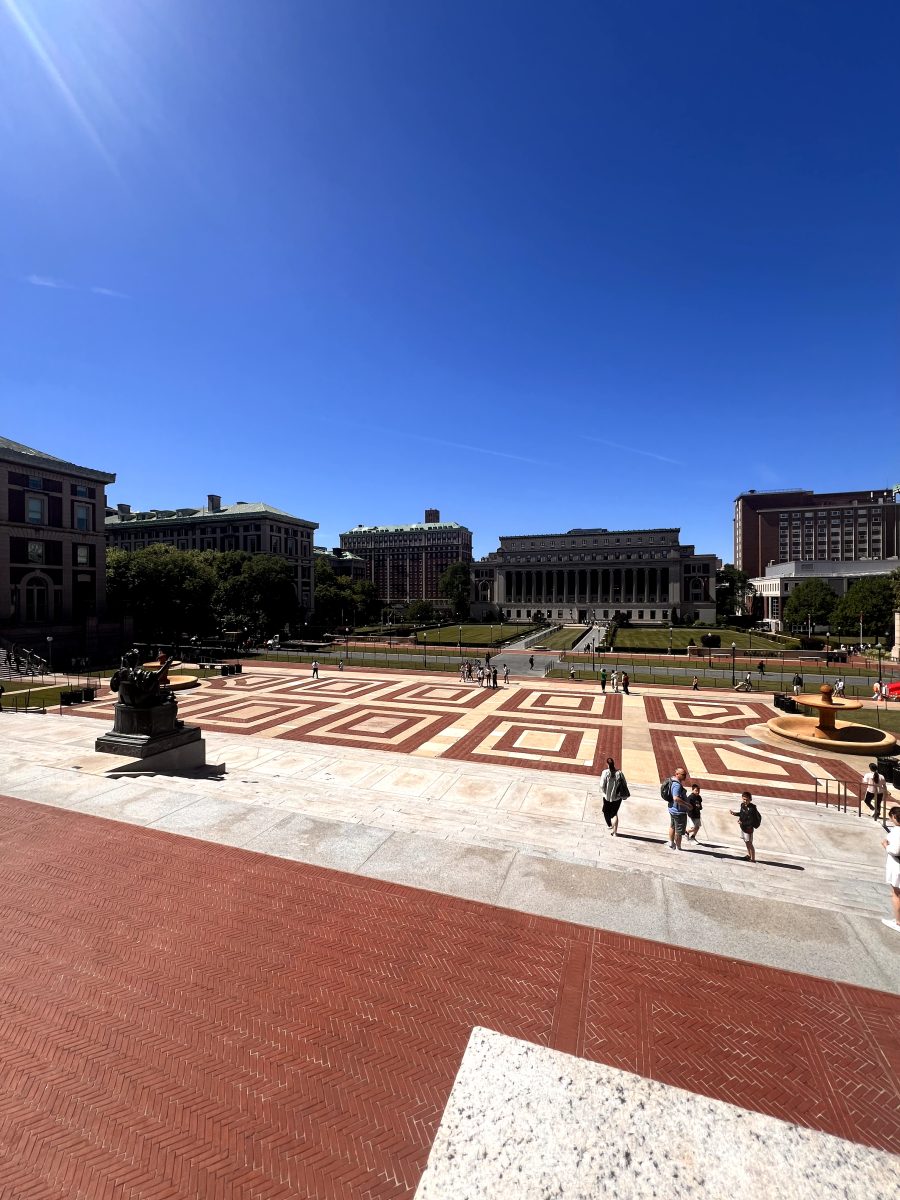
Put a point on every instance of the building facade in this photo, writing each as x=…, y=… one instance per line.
x=806, y=526
x=587, y=575
x=405, y=562
x=52, y=551
x=254, y=527
x=773, y=589
x=342, y=562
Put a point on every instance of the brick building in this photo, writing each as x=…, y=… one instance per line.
x=52, y=551
x=342, y=562
x=589, y=574
x=405, y=562
x=254, y=527
x=806, y=526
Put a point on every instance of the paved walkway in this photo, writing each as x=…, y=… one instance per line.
x=182, y=1019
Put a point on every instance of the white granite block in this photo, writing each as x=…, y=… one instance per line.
x=529, y=1123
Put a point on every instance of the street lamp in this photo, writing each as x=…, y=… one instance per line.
x=459, y=642
x=670, y=637
x=50, y=653
x=733, y=653
x=425, y=646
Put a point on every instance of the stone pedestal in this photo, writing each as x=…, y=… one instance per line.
x=156, y=737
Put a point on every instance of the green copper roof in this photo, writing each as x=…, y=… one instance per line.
x=242, y=508
x=403, y=528
x=37, y=458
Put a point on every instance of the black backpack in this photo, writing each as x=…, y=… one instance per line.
x=665, y=790
x=755, y=816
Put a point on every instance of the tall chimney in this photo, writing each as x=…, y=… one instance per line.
x=213, y=503
x=123, y=509
x=432, y=516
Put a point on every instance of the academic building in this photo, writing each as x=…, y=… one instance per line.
x=251, y=526
x=342, y=562
x=806, y=526
x=405, y=562
x=52, y=551
x=587, y=575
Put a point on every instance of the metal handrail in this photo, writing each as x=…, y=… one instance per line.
x=840, y=798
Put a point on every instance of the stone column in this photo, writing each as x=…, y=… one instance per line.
x=895, y=653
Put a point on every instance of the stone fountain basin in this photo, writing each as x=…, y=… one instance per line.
x=846, y=737
x=178, y=683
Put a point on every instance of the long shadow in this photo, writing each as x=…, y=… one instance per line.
x=710, y=850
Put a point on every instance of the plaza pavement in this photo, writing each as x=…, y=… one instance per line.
x=261, y=981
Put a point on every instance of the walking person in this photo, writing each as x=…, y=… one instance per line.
x=695, y=684
x=875, y=789
x=505, y=675
x=891, y=845
x=695, y=800
x=625, y=682
x=798, y=683
x=572, y=671
x=603, y=680
x=673, y=792
x=614, y=679
x=761, y=668
x=531, y=661
x=613, y=789
x=315, y=669
x=749, y=820
x=494, y=678
x=340, y=664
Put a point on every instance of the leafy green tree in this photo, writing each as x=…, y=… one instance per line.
x=874, y=598
x=167, y=592
x=420, y=612
x=895, y=583
x=733, y=590
x=341, y=601
x=455, y=585
x=261, y=595
x=811, y=598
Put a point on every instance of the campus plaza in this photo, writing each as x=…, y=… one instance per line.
x=382, y=949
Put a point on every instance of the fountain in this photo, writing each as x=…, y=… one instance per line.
x=824, y=732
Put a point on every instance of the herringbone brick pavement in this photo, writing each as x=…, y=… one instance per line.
x=180, y=1019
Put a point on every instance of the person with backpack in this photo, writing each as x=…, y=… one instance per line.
x=673, y=792
x=626, y=682
x=613, y=789
x=875, y=789
x=749, y=819
x=603, y=680
x=798, y=683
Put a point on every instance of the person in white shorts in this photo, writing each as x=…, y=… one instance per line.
x=892, y=866
x=874, y=782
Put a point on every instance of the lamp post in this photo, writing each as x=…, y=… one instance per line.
x=425, y=646
x=749, y=638
x=860, y=632
x=593, y=666
x=50, y=653
x=733, y=653
x=459, y=642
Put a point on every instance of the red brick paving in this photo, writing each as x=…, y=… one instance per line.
x=185, y=1020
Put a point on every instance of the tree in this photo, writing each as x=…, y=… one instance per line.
x=167, y=592
x=812, y=598
x=733, y=589
x=874, y=599
x=895, y=583
x=258, y=592
x=455, y=585
x=420, y=612
x=342, y=601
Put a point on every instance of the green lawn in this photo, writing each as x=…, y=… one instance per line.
x=563, y=639
x=474, y=635
x=639, y=638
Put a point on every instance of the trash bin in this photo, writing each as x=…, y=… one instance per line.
x=89, y=694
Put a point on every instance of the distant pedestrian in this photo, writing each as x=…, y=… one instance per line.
x=695, y=684
x=695, y=800
x=748, y=682
x=462, y=672
x=340, y=664
x=494, y=678
x=749, y=820
x=675, y=795
x=761, y=668
x=572, y=671
x=798, y=683
x=614, y=679
x=891, y=845
x=315, y=669
x=625, y=683
x=839, y=688
x=614, y=790
x=505, y=675
x=531, y=661
x=603, y=680
x=875, y=790
x=876, y=691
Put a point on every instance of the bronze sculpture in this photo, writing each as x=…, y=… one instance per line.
x=140, y=688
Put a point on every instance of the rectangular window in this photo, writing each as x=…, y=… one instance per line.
x=82, y=556
x=83, y=517
x=35, y=510
x=34, y=481
x=35, y=552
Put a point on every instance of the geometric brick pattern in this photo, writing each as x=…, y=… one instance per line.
x=553, y=745
x=188, y=1020
x=585, y=705
x=723, y=762
x=668, y=710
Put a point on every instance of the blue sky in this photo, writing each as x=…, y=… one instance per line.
x=537, y=265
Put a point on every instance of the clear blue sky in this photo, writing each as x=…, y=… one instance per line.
x=356, y=257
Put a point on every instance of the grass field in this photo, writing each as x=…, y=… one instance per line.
x=681, y=638
x=474, y=635
x=562, y=639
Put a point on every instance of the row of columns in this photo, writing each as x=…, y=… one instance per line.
x=613, y=585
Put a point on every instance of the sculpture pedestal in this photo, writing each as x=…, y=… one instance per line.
x=156, y=737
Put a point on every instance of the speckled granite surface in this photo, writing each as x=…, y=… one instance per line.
x=530, y=1123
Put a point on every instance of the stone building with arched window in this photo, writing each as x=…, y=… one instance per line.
x=587, y=575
